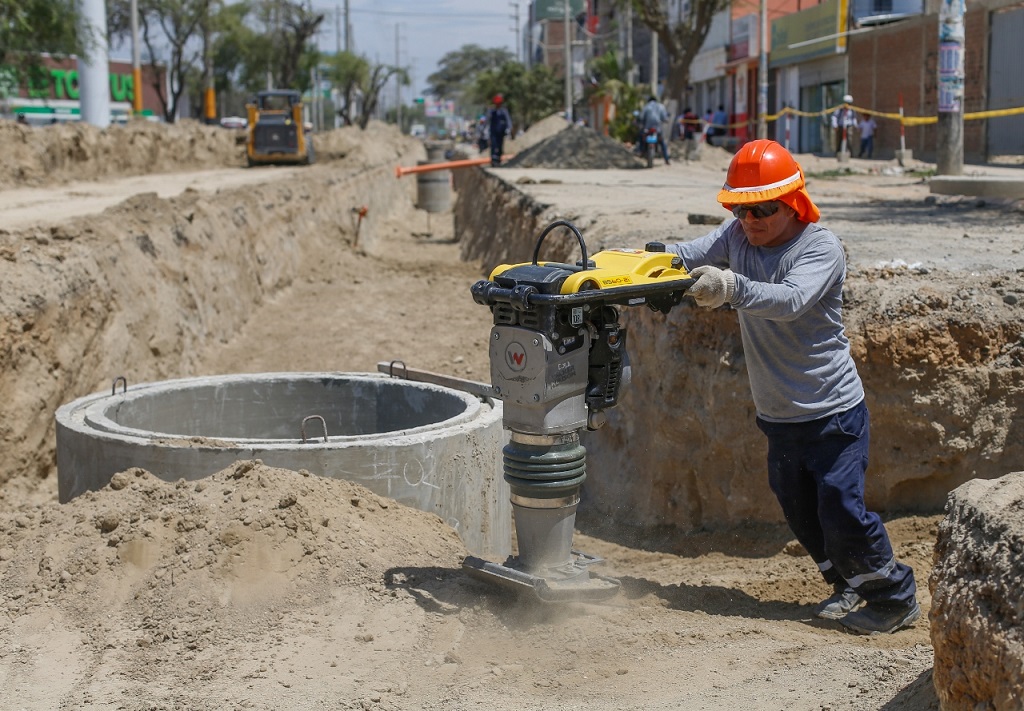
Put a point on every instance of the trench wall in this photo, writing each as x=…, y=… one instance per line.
x=143, y=289
x=976, y=615
x=682, y=448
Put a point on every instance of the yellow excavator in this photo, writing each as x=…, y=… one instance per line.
x=276, y=132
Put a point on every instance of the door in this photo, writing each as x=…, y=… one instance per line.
x=1006, y=82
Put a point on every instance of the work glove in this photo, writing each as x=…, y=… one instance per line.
x=714, y=286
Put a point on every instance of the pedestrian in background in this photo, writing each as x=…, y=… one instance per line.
x=483, y=131
x=783, y=274
x=654, y=115
x=499, y=124
x=719, y=120
x=689, y=123
x=867, y=128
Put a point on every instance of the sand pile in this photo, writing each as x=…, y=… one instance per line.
x=380, y=142
x=576, y=148
x=705, y=154
x=35, y=156
x=545, y=128
x=78, y=151
x=182, y=557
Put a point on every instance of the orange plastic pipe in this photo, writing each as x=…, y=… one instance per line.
x=404, y=170
x=401, y=170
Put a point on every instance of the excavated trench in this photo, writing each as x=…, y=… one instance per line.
x=74, y=316
x=943, y=374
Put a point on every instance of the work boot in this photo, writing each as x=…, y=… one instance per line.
x=882, y=617
x=838, y=603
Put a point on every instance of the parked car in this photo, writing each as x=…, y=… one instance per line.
x=234, y=122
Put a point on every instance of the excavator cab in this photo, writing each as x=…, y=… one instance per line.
x=276, y=131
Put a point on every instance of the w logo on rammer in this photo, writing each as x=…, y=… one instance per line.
x=515, y=356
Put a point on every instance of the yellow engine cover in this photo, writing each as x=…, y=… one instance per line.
x=614, y=268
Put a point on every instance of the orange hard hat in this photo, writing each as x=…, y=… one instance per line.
x=762, y=171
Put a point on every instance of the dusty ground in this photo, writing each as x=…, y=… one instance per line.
x=268, y=589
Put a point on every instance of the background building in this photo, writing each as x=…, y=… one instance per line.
x=54, y=97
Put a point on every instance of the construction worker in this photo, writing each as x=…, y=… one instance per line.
x=499, y=125
x=783, y=274
x=843, y=120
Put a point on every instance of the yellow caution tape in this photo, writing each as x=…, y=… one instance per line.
x=906, y=120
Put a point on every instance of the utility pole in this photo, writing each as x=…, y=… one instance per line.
x=312, y=97
x=337, y=29
x=654, y=63
x=136, y=61
x=515, y=19
x=762, y=75
x=348, y=28
x=567, y=58
x=950, y=151
x=209, y=94
x=398, y=81
x=273, y=25
x=94, y=64
x=629, y=45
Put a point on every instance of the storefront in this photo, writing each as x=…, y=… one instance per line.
x=53, y=96
x=742, y=70
x=809, y=61
x=707, y=71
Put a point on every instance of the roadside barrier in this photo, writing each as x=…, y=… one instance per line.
x=904, y=120
x=824, y=115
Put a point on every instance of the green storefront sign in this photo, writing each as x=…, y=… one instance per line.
x=58, y=83
x=63, y=84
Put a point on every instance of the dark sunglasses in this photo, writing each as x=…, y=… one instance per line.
x=760, y=210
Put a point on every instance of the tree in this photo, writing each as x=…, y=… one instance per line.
x=458, y=70
x=284, y=44
x=30, y=27
x=359, y=84
x=608, y=80
x=529, y=95
x=242, y=56
x=682, y=41
x=178, y=23
x=238, y=57
x=297, y=24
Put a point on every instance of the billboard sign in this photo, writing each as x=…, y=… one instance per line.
x=818, y=31
x=555, y=9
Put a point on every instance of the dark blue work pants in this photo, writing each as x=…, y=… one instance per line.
x=816, y=470
x=497, y=147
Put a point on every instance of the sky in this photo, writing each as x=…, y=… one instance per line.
x=426, y=31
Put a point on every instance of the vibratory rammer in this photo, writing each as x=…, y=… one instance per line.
x=558, y=361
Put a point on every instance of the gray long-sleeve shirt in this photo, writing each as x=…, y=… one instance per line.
x=653, y=115
x=790, y=306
